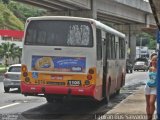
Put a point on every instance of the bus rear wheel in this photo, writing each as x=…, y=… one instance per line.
x=49, y=98
x=107, y=98
x=117, y=92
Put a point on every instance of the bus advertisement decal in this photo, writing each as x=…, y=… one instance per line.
x=58, y=64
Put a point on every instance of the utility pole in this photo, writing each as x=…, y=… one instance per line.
x=158, y=78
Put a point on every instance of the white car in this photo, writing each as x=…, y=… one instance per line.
x=12, y=77
x=140, y=65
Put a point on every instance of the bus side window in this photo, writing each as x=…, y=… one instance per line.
x=109, y=46
x=113, y=47
x=99, y=44
x=124, y=48
x=117, y=47
x=121, y=48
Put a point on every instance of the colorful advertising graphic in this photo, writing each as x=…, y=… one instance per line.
x=58, y=64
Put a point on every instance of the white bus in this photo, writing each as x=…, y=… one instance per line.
x=72, y=56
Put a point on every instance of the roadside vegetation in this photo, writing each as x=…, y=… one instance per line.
x=145, y=39
x=14, y=14
x=9, y=51
x=8, y=20
x=2, y=69
x=23, y=11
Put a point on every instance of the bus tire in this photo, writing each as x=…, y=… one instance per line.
x=58, y=100
x=108, y=96
x=117, y=92
x=107, y=99
x=49, y=99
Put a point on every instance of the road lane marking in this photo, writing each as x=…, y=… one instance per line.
x=9, y=105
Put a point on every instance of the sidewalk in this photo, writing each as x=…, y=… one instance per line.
x=131, y=108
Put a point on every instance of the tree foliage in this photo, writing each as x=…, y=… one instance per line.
x=14, y=14
x=8, y=19
x=5, y=1
x=18, y=53
x=23, y=11
x=9, y=50
x=144, y=39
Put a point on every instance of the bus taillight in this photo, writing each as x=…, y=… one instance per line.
x=91, y=71
x=89, y=77
x=24, y=68
x=27, y=79
x=25, y=74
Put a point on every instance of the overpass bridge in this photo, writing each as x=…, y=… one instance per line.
x=115, y=11
x=128, y=16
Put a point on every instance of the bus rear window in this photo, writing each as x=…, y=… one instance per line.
x=59, y=33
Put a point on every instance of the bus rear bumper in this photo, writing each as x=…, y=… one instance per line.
x=29, y=89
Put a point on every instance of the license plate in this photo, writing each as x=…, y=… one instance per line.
x=56, y=77
x=74, y=82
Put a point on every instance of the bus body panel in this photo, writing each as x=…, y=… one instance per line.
x=60, y=79
x=64, y=52
x=57, y=90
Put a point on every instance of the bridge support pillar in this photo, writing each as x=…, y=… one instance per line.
x=132, y=46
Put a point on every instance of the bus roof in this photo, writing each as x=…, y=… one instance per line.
x=98, y=23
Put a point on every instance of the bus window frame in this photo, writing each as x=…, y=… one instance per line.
x=89, y=24
x=122, y=48
x=99, y=43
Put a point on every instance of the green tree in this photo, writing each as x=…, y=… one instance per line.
x=5, y=1
x=23, y=11
x=9, y=20
x=152, y=44
x=146, y=39
x=18, y=53
x=8, y=50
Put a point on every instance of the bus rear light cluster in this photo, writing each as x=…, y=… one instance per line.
x=91, y=71
x=24, y=68
x=27, y=79
x=89, y=77
x=25, y=74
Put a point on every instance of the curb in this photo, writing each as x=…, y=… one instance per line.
x=133, y=104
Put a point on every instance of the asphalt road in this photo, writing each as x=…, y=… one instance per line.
x=14, y=105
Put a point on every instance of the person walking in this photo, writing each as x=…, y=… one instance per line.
x=150, y=88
